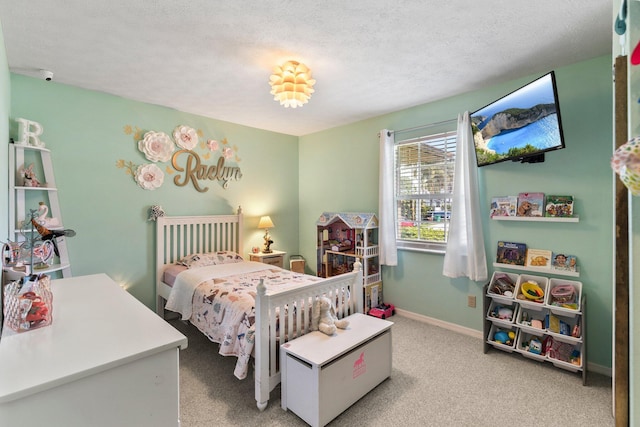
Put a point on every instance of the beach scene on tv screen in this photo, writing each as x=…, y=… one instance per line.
x=521, y=124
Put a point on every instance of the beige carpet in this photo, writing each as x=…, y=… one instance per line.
x=439, y=378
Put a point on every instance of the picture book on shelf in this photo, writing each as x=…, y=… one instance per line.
x=560, y=261
x=540, y=258
x=558, y=206
x=511, y=253
x=504, y=206
x=530, y=204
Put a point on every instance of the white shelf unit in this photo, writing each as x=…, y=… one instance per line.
x=20, y=196
x=523, y=333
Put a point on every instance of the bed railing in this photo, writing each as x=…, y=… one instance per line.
x=283, y=316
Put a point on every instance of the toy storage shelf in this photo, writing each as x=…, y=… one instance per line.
x=524, y=332
x=537, y=218
x=538, y=270
x=521, y=316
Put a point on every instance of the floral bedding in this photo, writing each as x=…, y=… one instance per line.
x=224, y=309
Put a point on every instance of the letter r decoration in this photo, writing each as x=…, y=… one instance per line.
x=29, y=132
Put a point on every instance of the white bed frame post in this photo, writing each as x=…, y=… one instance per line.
x=262, y=388
x=276, y=323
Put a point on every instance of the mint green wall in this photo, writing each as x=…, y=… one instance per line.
x=5, y=90
x=332, y=170
x=339, y=171
x=85, y=132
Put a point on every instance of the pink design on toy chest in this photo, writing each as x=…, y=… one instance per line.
x=359, y=366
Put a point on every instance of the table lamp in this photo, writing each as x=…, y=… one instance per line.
x=266, y=223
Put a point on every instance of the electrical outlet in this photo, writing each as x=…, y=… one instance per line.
x=471, y=301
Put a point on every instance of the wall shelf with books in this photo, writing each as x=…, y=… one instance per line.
x=543, y=270
x=533, y=207
x=537, y=218
x=517, y=256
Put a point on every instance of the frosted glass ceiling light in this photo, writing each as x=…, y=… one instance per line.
x=291, y=84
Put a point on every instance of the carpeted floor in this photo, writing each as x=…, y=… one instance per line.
x=439, y=378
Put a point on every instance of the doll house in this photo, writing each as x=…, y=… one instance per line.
x=343, y=238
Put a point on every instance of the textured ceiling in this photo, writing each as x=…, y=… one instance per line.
x=369, y=57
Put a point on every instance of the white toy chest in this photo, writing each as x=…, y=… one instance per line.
x=323, y=375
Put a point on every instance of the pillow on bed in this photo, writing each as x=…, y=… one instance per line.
x=210, y=258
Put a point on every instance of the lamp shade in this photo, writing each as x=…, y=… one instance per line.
x=291, y=84
x=265, y=222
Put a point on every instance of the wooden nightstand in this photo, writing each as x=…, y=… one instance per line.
x=273, y=258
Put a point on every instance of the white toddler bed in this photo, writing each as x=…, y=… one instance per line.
x=179, y=237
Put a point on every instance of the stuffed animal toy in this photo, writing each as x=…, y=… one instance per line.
x=30, y=179
x=324, y=317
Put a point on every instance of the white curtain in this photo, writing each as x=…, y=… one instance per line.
x=465, y=256
x=386, y=201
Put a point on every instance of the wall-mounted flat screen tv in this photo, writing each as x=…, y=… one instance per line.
x=520, y=126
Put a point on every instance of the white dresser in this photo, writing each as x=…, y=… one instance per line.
x=323, y=375
x=106, y=360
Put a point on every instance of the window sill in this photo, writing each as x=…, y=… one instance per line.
x=419, y=247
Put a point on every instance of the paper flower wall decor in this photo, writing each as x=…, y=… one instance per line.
x=149, y=176
x=186, y=137
x=186, y=156
x=156, y=146
x=626, y=163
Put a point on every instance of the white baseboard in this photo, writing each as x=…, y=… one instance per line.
x=591, y=367
x=437, y=322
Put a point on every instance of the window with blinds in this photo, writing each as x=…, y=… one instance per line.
x=424, y=190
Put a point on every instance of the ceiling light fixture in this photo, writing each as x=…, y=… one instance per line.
x=291, y=84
